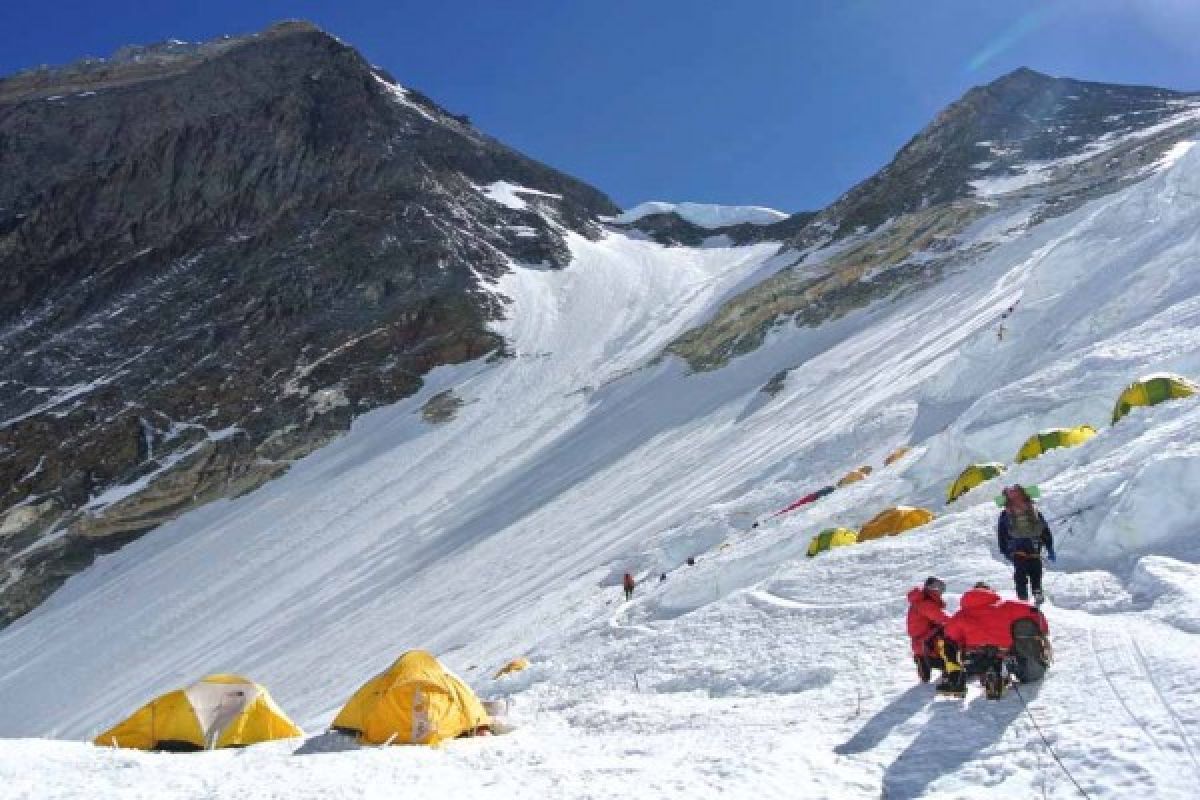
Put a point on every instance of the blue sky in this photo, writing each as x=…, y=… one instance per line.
x=785, y=103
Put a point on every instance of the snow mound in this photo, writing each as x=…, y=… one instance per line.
x=704, y=215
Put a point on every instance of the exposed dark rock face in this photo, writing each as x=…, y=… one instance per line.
x=1060, y=142
x=212, y=257
x=442, y=407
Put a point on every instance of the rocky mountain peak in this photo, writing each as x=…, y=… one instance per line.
x=1026, y=140
x=213, y=256
x=1019, y=118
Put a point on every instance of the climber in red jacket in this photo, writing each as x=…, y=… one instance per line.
x=926, y=616
x=987, y=627
x=628, y=583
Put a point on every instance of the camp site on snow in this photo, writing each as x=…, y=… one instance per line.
x=348, y=452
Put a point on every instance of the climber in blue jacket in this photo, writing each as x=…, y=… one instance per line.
x=1022, y=534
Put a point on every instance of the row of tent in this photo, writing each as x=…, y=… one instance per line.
x=851, y=477
x=1146, y=391
x=889, y=522
x=418, y=701
x=414, y=701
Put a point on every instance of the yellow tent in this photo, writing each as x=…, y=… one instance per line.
x=896, y=455
x=853, y=477
x=971, y=477
x=894, y=520
x=1151, y=390
x=217, y=711
x=1051, y=438
x=831, y=538
x=414, y=701
x=516, y=665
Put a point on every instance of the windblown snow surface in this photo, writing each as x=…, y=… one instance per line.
x=756, y=672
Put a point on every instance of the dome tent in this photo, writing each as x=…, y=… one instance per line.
x=414, y=701
x=1049, y=439
x=831, y=538
x=854, y=476
x=516, y=665
x=971, y=477
x=1151, y=390
x=216, y=711
x=892, y=521
x=896, y=455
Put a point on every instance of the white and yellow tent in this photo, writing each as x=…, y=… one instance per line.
x=414, y=701
x=217, y=711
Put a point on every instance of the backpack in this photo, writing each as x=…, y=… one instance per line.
x=1031, y=651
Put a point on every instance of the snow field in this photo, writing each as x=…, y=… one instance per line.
x=757, y=672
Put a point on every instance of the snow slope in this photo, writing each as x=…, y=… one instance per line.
x=754, y=673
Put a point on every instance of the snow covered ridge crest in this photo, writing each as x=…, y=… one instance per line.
x=704, y=215
x=1007, y=157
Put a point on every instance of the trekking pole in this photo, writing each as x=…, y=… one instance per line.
x=1046, y=742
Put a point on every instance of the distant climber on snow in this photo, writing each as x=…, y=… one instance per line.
x=1022, y=533
x=629, y=583
x=995, y=639
x=926, y=616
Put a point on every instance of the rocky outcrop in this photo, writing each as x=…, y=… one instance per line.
x=212, y=257
x=442, y=407
x=1025, y=140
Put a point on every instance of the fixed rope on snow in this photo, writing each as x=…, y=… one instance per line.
x=1046, y=742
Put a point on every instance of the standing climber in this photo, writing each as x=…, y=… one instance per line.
x=628, y=583
x=1022, y=533
x=926, y=616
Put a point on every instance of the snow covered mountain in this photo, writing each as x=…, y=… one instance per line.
x=1025, y=141
x=491, y=513
x=212, y=257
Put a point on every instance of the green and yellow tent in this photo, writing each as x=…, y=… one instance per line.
x=1151, y=390
x=971, y=477
x=831, y=538
x=1042, y=441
